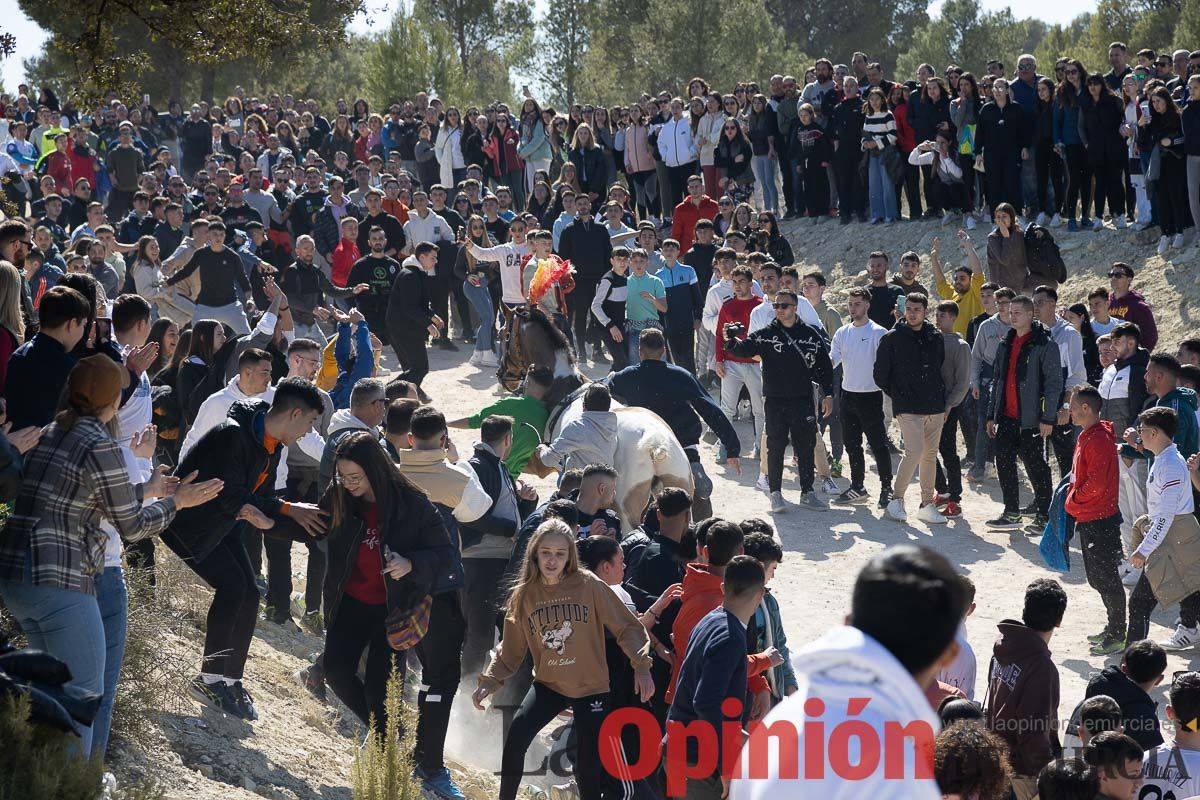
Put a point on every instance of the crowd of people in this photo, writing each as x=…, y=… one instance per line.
x=194, y=310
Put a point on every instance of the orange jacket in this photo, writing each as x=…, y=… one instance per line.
x=702, y=592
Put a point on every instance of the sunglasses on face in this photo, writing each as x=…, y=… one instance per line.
x=783, y=305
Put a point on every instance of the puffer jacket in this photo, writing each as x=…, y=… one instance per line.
x=1039, y=378
x=411, y=527
x=908, y=369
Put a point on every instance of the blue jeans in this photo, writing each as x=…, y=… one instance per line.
x=882, y=190
x=481, y=300
x=632, y=338
x=765, y=168
x=68, y=626
x=112, y=597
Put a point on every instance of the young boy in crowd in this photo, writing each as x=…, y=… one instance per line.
x=960, y=673
x=768, y=624
x=645, y=299
x=1117, y=761
x=1022, y=696
x=1129, y=685
x=608, y=307
x=1175, y=768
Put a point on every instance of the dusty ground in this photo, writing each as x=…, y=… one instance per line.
x=302, y=749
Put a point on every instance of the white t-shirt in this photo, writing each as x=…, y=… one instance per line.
x=509, y=256
x=1169, y=772
x=960, y=673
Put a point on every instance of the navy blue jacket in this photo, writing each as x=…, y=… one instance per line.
x=675, y=395
x=714, y=668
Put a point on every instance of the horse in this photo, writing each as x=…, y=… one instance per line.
x=648, y=455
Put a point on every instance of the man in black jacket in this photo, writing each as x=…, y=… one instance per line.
x=586, y=245
x=487, y=542
x=794, y=357
x=677, y=396
x=1028, y=382
x=244, y=452
x=1142, y=668
x=410, y=315
x=908, y=369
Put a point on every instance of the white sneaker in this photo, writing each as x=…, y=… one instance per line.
x=778, y=504
x=474, y=360
x=1119, y=222
x=1164, y=244
x=1129, y=575
x=488, y=359
x=895, y=510
x=1056, y=221
x=1097, y=224
x=829, y=486
x=763, y=485
x=1183, y=639
x=1177, y=242
x=946, y=217
x=1041, y=219
x=970, y=222
x=929, y=513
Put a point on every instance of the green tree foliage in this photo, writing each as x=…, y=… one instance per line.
x=488, y=36
x=965, y=35
x=1189, y=22
x=110, y=44
x=628, y=57
x=562, y=42
x=1062, y=40
x=883, y=29
x=411, y=55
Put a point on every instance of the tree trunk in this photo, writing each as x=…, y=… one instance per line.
x=208, y=81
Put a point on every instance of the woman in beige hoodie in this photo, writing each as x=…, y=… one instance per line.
x=558, y=614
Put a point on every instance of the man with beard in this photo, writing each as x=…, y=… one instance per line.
x=377, y=270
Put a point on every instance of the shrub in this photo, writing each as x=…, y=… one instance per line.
x=382, y=770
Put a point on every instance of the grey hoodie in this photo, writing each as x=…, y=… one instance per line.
x=987, y=341
x=591, y=439
x=956, y=368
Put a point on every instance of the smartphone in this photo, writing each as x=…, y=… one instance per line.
x=103, y=328
x=901, y=304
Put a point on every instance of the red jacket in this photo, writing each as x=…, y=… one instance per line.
x=1093, y=493
x=702, y=592
x=58, y=166
x=344, y=256
x=687, y=214
x=83, y=165
x=906, y=138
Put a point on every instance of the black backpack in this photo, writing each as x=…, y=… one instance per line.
x=1041, y=252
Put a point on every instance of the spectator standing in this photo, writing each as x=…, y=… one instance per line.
x=908, y=369
x=1128, y=305
x=1023, y=685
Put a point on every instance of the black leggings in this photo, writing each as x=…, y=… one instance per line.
x=1100, y=543
x=1012, y=440
x=1142, y=603
x=1079, y=182
x=356, y=627
x=541, y=705
x=794, y=420
x=1174, y=213
x=1110, y=186
x=862, y=412
x=1048, y=165
x=234, y=609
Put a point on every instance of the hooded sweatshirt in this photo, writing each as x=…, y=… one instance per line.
x=702, y=592
x=1093, y=493
x=1134, y=308
x=562, y=628
x=591, y=439
x=1022, y=697
x=847, y=666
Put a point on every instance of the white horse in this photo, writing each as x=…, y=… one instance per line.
x=648, y=457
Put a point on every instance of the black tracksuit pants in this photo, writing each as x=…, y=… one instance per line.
x=790, y=419
x=862, y=413
x=1100, y=543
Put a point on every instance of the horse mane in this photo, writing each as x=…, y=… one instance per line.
x=556, y=337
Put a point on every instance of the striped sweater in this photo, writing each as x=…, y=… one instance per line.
x=880, y=128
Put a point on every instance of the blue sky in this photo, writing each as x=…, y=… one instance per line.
x=30, y=36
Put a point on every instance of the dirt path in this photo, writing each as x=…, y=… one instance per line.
x=302, y=749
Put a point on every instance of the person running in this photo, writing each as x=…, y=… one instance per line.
x=244, y=451
x=1023, y=412
x=854, y=348
x=794, y=356
x=388, y=553
x=410, y=316
x=1092, y=502
x=557, y=614
x=908, y=369
x=221, y=274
